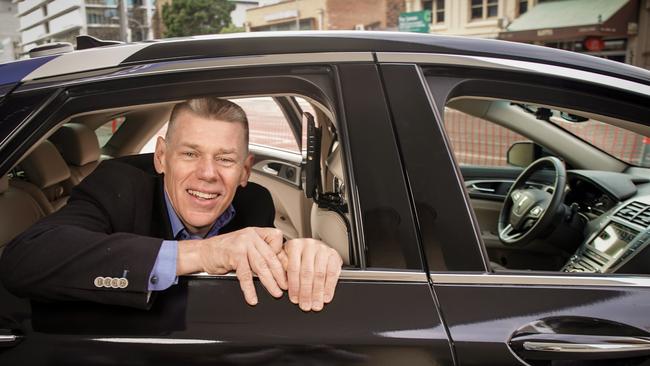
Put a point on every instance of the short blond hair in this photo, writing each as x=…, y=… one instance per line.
x=209, y=108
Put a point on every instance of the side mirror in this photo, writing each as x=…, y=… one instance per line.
x=523, y=153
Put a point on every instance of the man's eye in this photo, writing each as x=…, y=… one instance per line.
x=226, y=161
x=189, y=154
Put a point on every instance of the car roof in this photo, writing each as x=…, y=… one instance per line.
x=266, y=43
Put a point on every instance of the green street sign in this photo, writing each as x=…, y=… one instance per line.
x=415, y=21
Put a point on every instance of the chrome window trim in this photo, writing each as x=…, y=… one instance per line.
x=153, y=68
x=347, y=275
x=538, y=280
x=515, y=65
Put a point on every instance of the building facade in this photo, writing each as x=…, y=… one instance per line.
x=324, y=15
x=43, y=21
x=615, y=29
x=9, y=35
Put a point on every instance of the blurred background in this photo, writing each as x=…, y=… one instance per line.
x=614, y=29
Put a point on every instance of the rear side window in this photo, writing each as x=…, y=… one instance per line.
x=108, y=129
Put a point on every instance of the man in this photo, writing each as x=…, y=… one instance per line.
x=126, y=233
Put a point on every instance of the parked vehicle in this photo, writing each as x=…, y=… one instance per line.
x=491, y=200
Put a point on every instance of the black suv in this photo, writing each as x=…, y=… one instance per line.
x=491, y=200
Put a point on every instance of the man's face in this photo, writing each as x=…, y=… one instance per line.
x=203, y=164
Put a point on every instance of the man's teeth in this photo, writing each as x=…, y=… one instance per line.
x=205, y=196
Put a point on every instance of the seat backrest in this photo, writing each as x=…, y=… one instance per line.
x=330, y=226
x=79, y=147
x=47, y=177
x=18, y=211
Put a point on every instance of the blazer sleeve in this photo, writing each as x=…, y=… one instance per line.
x=95, y=248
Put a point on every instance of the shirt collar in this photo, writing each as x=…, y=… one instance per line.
x=178, y=227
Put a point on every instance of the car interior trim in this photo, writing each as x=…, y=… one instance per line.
x=515, y=65
x=349, y=275
x=538, y=280
x=116, y=72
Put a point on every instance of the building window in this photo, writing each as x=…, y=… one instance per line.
x=522, y=7
x=483, y=9
x=101, y=16
x=437, y=8
x=439, y=11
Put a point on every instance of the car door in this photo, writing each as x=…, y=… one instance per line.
x=383, y=313
x=519, y=317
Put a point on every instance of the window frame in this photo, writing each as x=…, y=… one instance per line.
x=485, y=9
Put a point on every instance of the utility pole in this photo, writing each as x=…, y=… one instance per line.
x=124, y=21
x=297, y=16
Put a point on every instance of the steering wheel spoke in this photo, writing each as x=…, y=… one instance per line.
x=509, y=233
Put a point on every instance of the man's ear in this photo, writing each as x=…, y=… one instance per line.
x=248, y=165
x=159, y=155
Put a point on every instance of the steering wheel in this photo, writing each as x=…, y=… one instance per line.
x=528, y=212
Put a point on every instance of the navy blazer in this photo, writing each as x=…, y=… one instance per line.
x=112, y=226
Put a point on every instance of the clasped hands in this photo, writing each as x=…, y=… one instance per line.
x=307, y=268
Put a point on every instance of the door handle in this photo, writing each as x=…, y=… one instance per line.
x=9, y=340
x=601, y=344
x=579, y=346
x=482, y=189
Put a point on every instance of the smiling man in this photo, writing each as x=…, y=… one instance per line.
x=126, y=233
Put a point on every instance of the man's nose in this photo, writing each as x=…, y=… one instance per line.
x=207, y=169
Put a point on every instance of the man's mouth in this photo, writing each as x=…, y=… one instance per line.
x=202, y=195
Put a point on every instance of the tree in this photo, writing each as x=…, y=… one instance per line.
x=195, y=17
x=233, y=29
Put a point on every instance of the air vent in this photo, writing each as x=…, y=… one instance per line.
x=635, y=212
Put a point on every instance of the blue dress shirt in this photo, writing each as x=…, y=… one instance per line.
x=163, y=274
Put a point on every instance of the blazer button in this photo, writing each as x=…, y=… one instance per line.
x=99, y=282
x=115, y=282
x=154, y=280
x=107, y=282
x=123, y=283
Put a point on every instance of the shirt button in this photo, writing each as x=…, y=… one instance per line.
x=154, y=280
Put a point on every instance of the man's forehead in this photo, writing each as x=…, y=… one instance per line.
x=192, y=130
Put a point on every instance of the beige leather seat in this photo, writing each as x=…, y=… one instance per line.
x=46, y=176
x=330, y=226
x=18, y=211
x=79, y=147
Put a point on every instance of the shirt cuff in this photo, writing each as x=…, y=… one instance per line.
x=163, y=274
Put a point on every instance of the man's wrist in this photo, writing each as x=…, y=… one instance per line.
x=189, y=257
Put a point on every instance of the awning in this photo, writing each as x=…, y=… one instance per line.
x=572, y=19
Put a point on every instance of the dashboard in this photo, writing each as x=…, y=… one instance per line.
x=617, y=234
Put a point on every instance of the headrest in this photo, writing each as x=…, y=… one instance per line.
x=4, y=184
x=335, y=163
x=78, y=144
x=44, y=166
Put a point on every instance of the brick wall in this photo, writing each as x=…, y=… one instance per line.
x=345, y=14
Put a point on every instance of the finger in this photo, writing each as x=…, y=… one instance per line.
x=272, y=236
x=245, y=277
x=306, y=276
x=332, y=275
x=273, y=263
x=320, y=271
x=294, y=252
x=261, y=268
x=284, y=259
